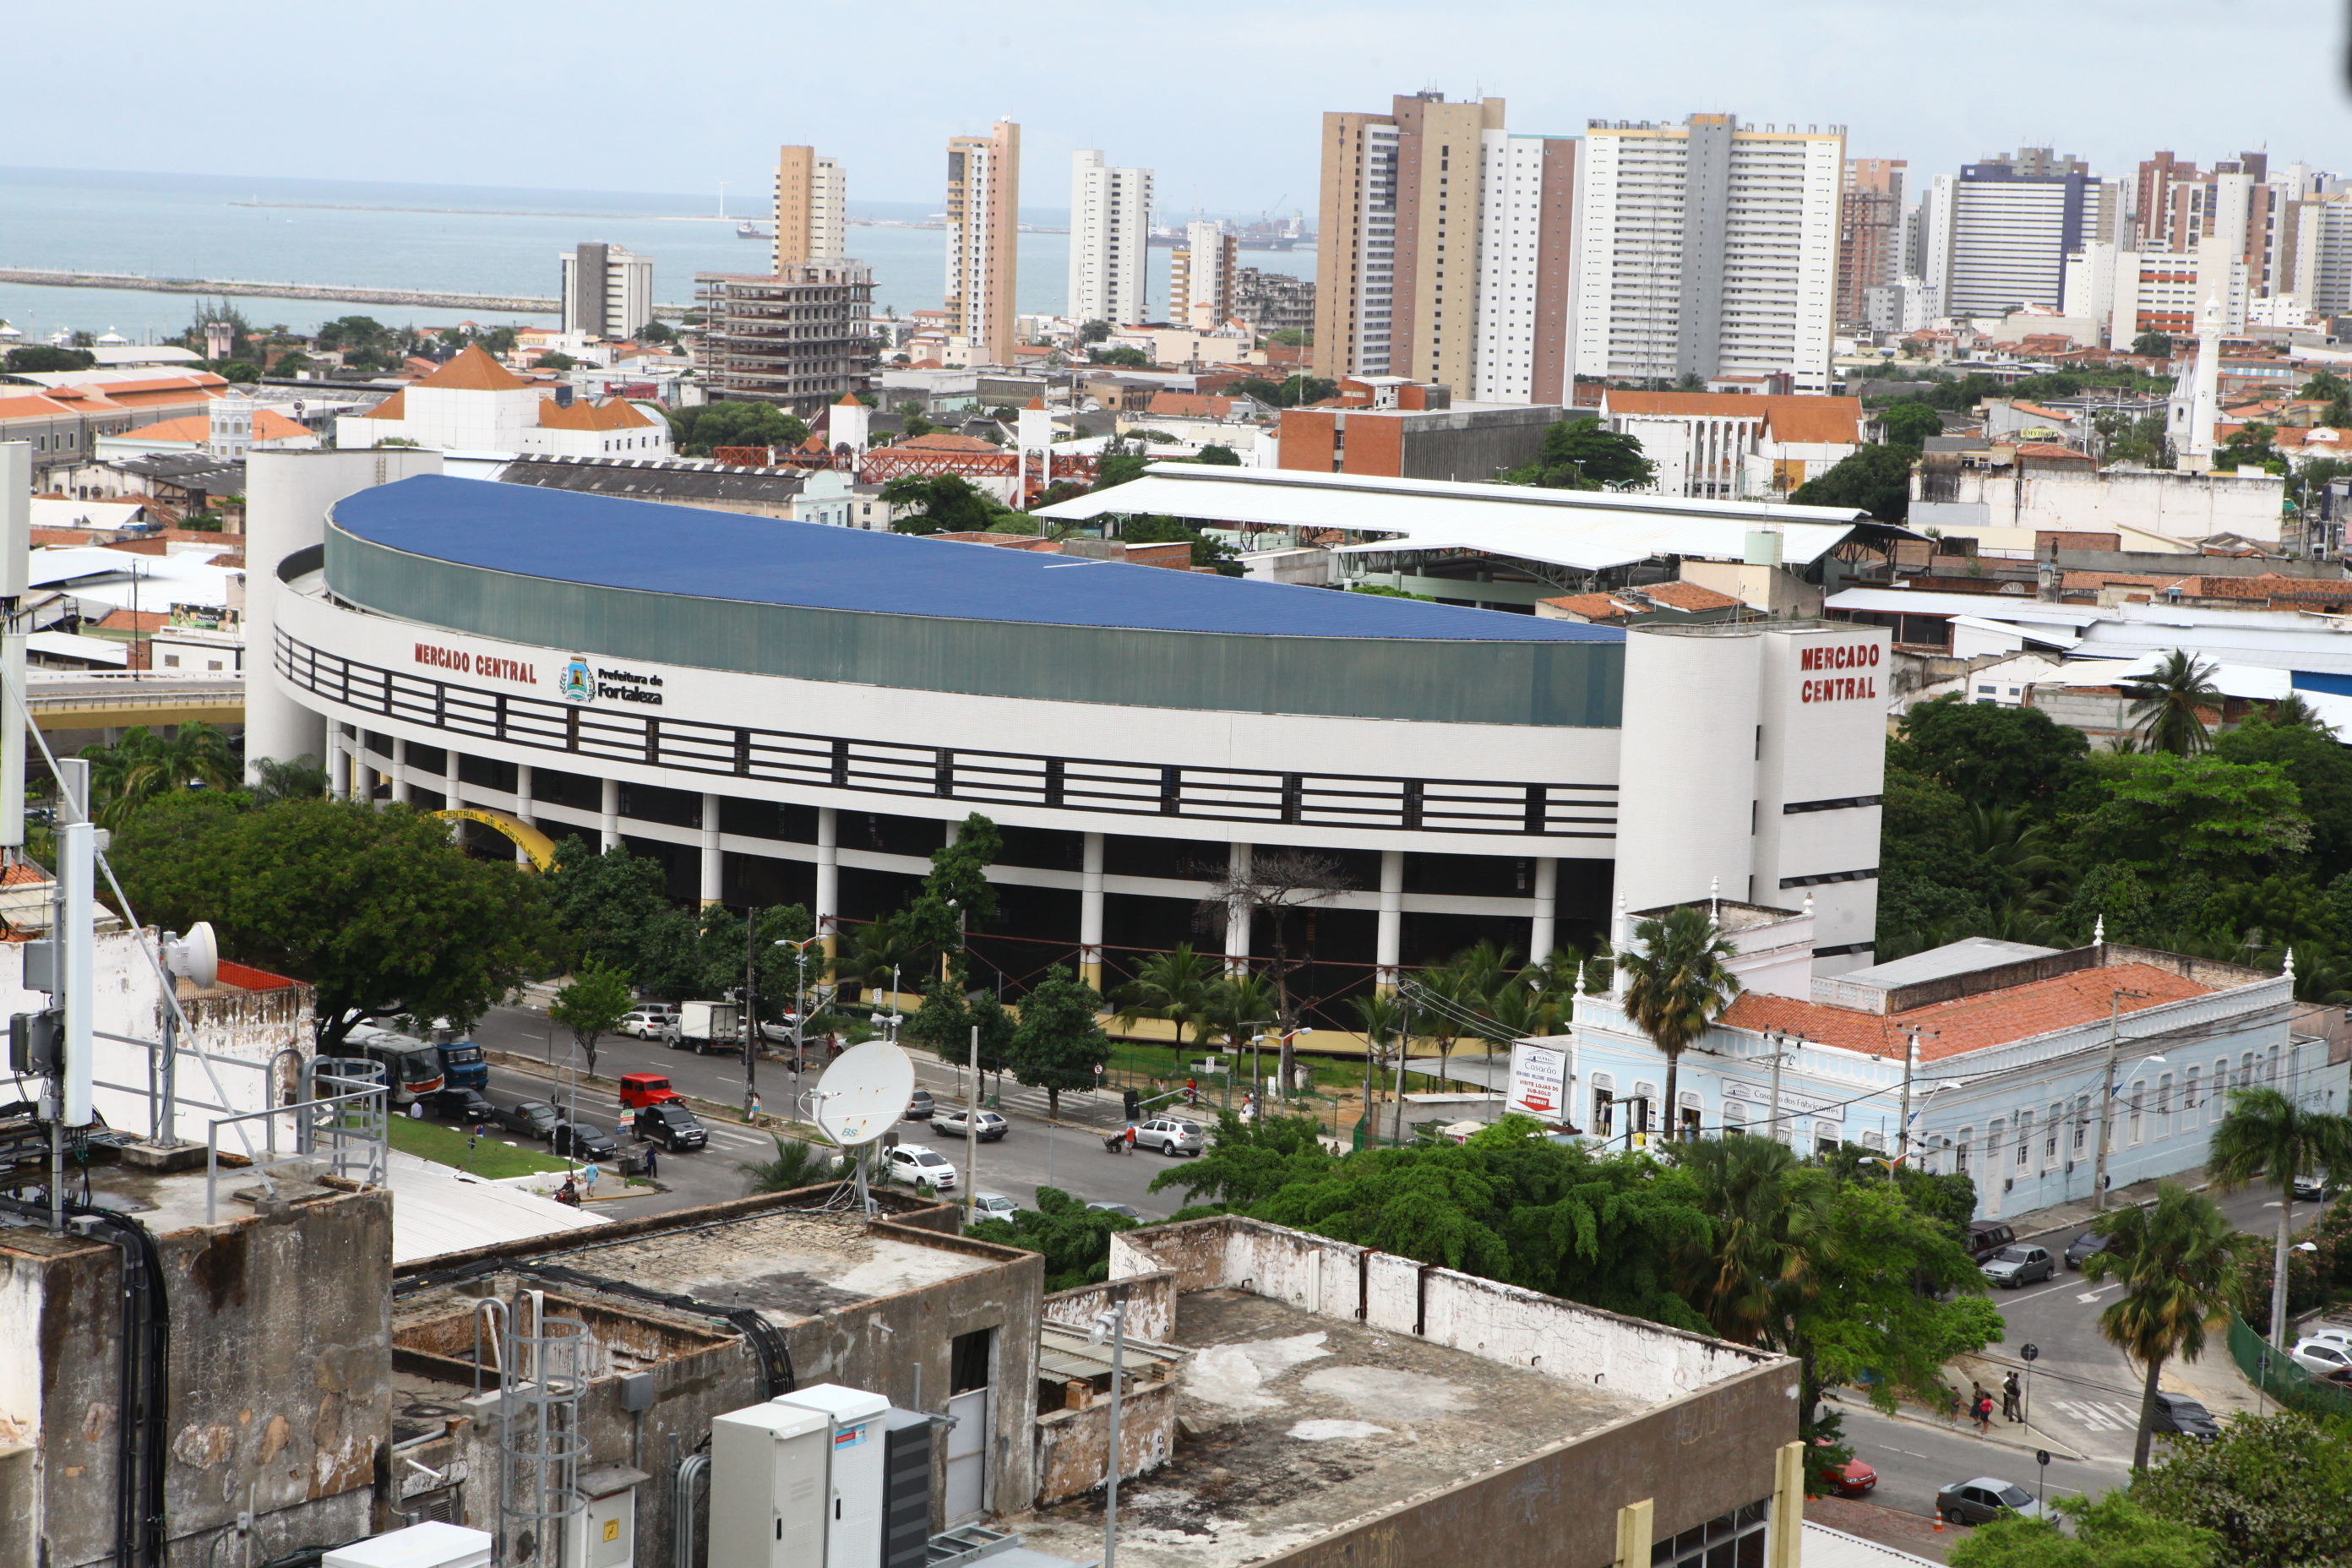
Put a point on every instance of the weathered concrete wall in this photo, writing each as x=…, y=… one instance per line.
x=1501, y=1322
x=1073, y=1445
x=1696, y=1457
x=1150, y=1305
x=898, y=1346
x=278, y=1387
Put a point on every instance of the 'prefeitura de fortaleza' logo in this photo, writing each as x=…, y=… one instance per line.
x=579, y=685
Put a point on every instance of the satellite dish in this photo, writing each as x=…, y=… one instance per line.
x=864, y=1093
x=195, y=955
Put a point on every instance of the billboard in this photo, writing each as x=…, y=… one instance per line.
x=1538, y=1082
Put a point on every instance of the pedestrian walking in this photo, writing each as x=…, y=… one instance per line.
x=1982, y=1410
x=2013, y=1399
x=652, y=1161
x=588, y=1174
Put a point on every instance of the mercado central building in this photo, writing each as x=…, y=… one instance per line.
x=790, y=712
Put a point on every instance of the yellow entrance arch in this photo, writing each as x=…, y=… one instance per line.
x=527, y=838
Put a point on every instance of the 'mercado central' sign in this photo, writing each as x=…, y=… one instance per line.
x=1840, y=656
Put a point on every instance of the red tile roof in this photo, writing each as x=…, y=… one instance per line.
x=614, y=414
x=194, y=429
x=1970, y=1023
x=473, y=370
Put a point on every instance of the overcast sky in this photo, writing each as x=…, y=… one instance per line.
x=1220, y=98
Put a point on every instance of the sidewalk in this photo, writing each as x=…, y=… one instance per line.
x=2007, y=1434
x=2077, y=1214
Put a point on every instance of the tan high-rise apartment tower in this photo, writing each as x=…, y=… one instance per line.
x=1200, y=277
x=1870, y=234
x=812, y=208
x=1396, y=267
x=984, y=240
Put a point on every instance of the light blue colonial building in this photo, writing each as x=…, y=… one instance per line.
x=1999, y=1050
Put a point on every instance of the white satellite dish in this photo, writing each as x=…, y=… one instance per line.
x=195, y=955
x=865, y=1093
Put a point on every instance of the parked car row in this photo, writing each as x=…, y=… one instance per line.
x=660, y=1117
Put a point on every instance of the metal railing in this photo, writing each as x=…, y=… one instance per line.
x=1095, y=785
x=349, y=1128
x=2280, y=1377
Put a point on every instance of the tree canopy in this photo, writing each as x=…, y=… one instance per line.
x=374, y=906
x=943, y=504
x=1579, y=455
x=1873, y=478
x=699, y=429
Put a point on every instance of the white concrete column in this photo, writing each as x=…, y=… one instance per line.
x=523, y=808
x=713, y=870
x=1237, y=913
x=1620, y=937
x=338, y=764
x=828, y=882
x=1090, y=912
x=400, y=791
x=1388, y=945
x=1542, y=934
x=452, y=794
x=609, y=835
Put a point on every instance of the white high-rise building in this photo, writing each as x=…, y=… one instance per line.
x=1200, y=277
x=2322, y=255
x=2159, y=291
x=1110, y=236
x=607, y=292
x=1708, y=249
x=1527, y=248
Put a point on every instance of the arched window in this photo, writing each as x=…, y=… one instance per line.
x=2164, y=1105
x=1961, y=1145
x=1735, y=1116
x=1604, y=1105
x=2139, y=1098
x=1874, y=1142
x=2245, y=1071
x=2050, y=1136
x=2270, y=1067
x=2189, y=1116
x=2024, y=1139
x=1644, y=1112
x=1992, y=1146
x=2082, y=1123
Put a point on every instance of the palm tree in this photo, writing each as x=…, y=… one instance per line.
x=1179, y=986
x=1677, y=984
x=2292, y=712
x=796, y=1166
x=875, y=950
x=143, y=765
x=1384, y=1020
x=2167, y=704
x=1238, y=1005
x=2267, y=1134
x=2177, y=1259
x=1753, y=1263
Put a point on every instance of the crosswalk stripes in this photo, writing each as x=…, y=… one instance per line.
x=2099, y=1417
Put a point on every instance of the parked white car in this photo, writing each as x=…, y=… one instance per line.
x=911, y=1162
x=994, y=1205
x=2322, y=1356
x=1170, y=1135
x=646, y=1021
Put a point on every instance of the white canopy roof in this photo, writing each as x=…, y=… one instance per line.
x=1984, y=607
x=1586, y=530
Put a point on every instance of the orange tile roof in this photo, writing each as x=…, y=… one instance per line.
x=1591, y=606
x=1970, y=1023
x=392, y=407
x=136, y=620
x=473, y=370
x=2035, y=408
x=1689, y=597
x=194, y=429
x=614, y=414
x=2050, y=449
x=941, y=441
x=34, y=405
x=849, y=400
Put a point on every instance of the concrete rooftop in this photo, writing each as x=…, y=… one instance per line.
x=791, y=1264
x=1307, y=1423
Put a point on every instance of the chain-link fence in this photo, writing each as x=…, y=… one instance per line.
x=2282, y=1378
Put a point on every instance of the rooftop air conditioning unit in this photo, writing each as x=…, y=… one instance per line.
x=767, y=1503
x=428, y=1545
x=852, y=1518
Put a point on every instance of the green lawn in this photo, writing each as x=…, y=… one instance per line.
x=492, y=1158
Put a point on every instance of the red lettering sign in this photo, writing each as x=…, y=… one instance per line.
x=496, y=666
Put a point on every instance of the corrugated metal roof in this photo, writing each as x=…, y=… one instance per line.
x=615, y=543
x=1586, y=530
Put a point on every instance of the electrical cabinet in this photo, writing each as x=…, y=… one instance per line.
x=603, y=1533
x=854, y=1516
x=769, y=1506
x=906, y=1488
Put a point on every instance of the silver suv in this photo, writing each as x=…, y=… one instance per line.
x=1170, y=1135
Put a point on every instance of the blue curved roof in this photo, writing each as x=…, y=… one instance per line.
x=611, y=542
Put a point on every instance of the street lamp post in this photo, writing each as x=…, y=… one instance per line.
x=800, y=1002
x=1112, y=1324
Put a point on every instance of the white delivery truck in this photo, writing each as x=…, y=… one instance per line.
x=702, y=1026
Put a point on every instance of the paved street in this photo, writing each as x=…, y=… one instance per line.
x=1914, y=1460
x=1035, y=1153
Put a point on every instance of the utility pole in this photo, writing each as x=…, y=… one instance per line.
x=971, y=1129
x=1910, y=1066
x=2108, y=1098
x=1780, y=1054
x=751, y=1030
x=1113, y=1325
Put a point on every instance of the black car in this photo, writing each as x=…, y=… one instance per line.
x=2179, y=1413
x=671, y=1125
x=2083, y=1247
x=582, y=1142
x=1985, y=1238
x=466, y=1107
x=529, y=1117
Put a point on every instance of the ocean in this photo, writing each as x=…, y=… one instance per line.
x=471, y=239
